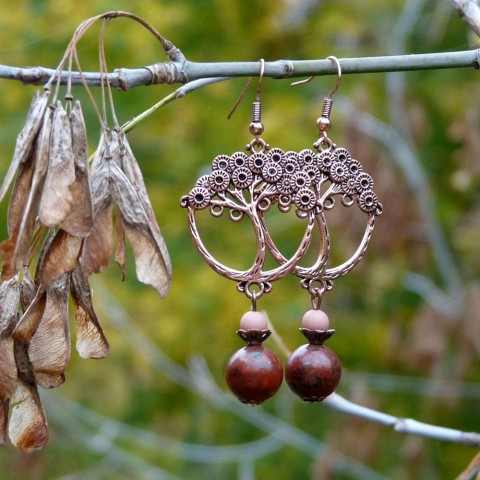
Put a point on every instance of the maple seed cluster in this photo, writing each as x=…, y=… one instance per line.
x=61, y=224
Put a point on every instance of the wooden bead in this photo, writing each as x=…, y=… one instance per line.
x=253, y=321
x=315, y=320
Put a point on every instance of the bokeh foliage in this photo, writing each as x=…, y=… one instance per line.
x=396, y=348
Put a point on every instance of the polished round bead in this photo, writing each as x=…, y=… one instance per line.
x=323, y=124
x=313, y=372
x=254, y=374
x=316, y=320
x=256, y=128
x=253, y=321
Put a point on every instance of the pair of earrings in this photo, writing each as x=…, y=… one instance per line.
x=247, y=185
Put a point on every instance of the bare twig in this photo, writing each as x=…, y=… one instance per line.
x=401, y=425
x=185, y=71
x=470, y=11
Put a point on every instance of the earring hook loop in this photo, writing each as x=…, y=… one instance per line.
x=245, y=88
x=339, y=76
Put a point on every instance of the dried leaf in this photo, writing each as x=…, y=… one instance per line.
x=29, y=215
x=60, y=257
x=133, y=173
x=149, y=259
x=9, y=299
x=91, y=341
x=149, y=265
x=4, y=407
x=28, y=324
x=99, y=245
x=19, y=197
x=120, y=252
x=57, y=199
x=26, y=138
x=16, y=211
x=27, y=289
x=49, y=349
x=80, y=220
x=28, y=429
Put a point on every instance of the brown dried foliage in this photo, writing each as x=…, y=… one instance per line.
x=61, y=211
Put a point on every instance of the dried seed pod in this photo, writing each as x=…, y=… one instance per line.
x=91, y=341
x=49, y=348
x=9, y=301
x=24, y=235
x=57, y=199
x=28, y=428
x=160, y=278
x=26, y=138
x=79, y=222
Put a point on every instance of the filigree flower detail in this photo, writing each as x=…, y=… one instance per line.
x=219, y=180
x=339, y=172
x=276, y=155
x=307, y=157
x=354, y=167
x=368, y=201
x=221, y=162
x=349, y=185
x=256, y=162
x=305, y=199
x=203, y=182
x=272, y=172
x=199, y=198
x=342, y=155
x=364, y=182
x=285, y=185
x=313, y=172
x=290, y=165
x=325, y=161
x=242, y=178
x=300, y=180
x=238, y=160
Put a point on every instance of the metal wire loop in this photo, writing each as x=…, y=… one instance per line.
x=339, y=76
x=245, y=88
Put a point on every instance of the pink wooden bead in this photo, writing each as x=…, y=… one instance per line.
x=315, y=320
x=253, y=321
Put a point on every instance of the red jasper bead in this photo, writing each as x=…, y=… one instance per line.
x=313, y=371
x=254, y=374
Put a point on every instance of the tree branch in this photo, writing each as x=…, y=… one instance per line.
x=183, y=72
x=470, y=11
x=401, y=425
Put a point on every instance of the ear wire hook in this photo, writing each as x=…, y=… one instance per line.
x=245, y=88
x=323, y=122
x=339, y=77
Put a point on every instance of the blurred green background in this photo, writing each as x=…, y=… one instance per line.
x=408, y=331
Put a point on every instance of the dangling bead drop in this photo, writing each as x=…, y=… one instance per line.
x=254, y=374
x=313, y=371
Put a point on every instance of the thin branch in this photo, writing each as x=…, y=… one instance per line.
x=100, y=425
x=401, y=425
x=199, y=380
x=186, y=71
x=470, y=11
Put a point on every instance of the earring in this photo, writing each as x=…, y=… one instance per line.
x=313, y=371
x=247, y=186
